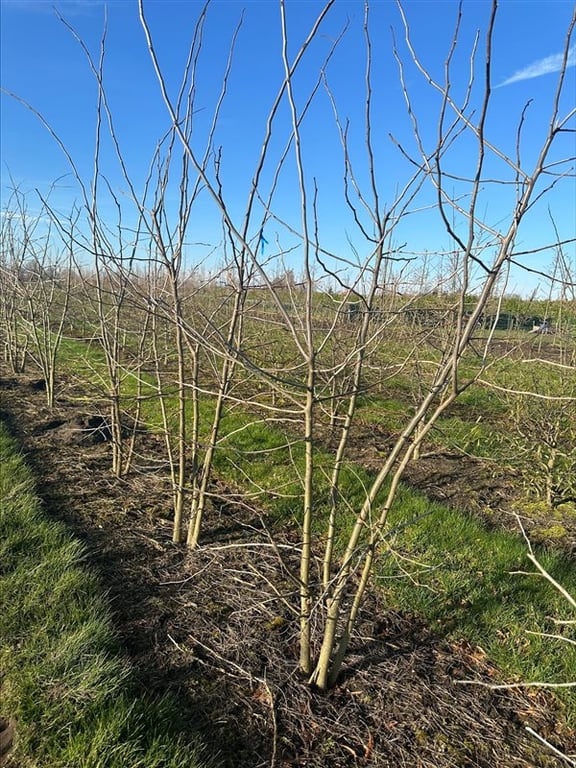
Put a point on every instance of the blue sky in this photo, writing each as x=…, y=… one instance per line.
x=43, y=64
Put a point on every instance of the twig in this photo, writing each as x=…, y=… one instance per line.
x=552, y=581
x=507, y=686
x=557, y=752
x=551, y=636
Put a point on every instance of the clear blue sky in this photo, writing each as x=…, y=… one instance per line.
x=43, y=64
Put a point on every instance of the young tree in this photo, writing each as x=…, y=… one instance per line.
x=15, y=339
x=450, y=171
x=485, y=253
x=36, y=285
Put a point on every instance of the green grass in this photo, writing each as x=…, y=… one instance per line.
x=464, y=580
x=73, y=697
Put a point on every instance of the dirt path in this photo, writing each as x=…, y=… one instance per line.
x=214, y=625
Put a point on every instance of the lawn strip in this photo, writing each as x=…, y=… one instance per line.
x=66, y=691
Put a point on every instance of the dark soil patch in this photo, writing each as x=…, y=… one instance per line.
x=7, y=735
x=217, y=626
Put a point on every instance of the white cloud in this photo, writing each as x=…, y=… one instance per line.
x=543, y=67
x=26, y=217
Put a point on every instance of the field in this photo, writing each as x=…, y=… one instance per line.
x=294, y=382
x=449, y=603
x=72, y=697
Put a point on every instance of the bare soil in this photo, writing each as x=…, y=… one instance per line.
x=216, y=626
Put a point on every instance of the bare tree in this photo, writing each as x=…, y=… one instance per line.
x=36, y=288
x=484, y=256
x=15, y=339
x=448, y=381
x=216, y=358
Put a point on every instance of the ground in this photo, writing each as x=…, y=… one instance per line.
x=215, y=625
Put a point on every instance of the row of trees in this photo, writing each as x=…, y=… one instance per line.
x=277, y=350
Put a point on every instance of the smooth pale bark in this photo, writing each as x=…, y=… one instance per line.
x=307, y=518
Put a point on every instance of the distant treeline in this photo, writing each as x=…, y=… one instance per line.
x=430, y=317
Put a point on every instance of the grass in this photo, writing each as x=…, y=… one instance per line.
x=472, y=583
x=387, y=402
x=73, y=698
